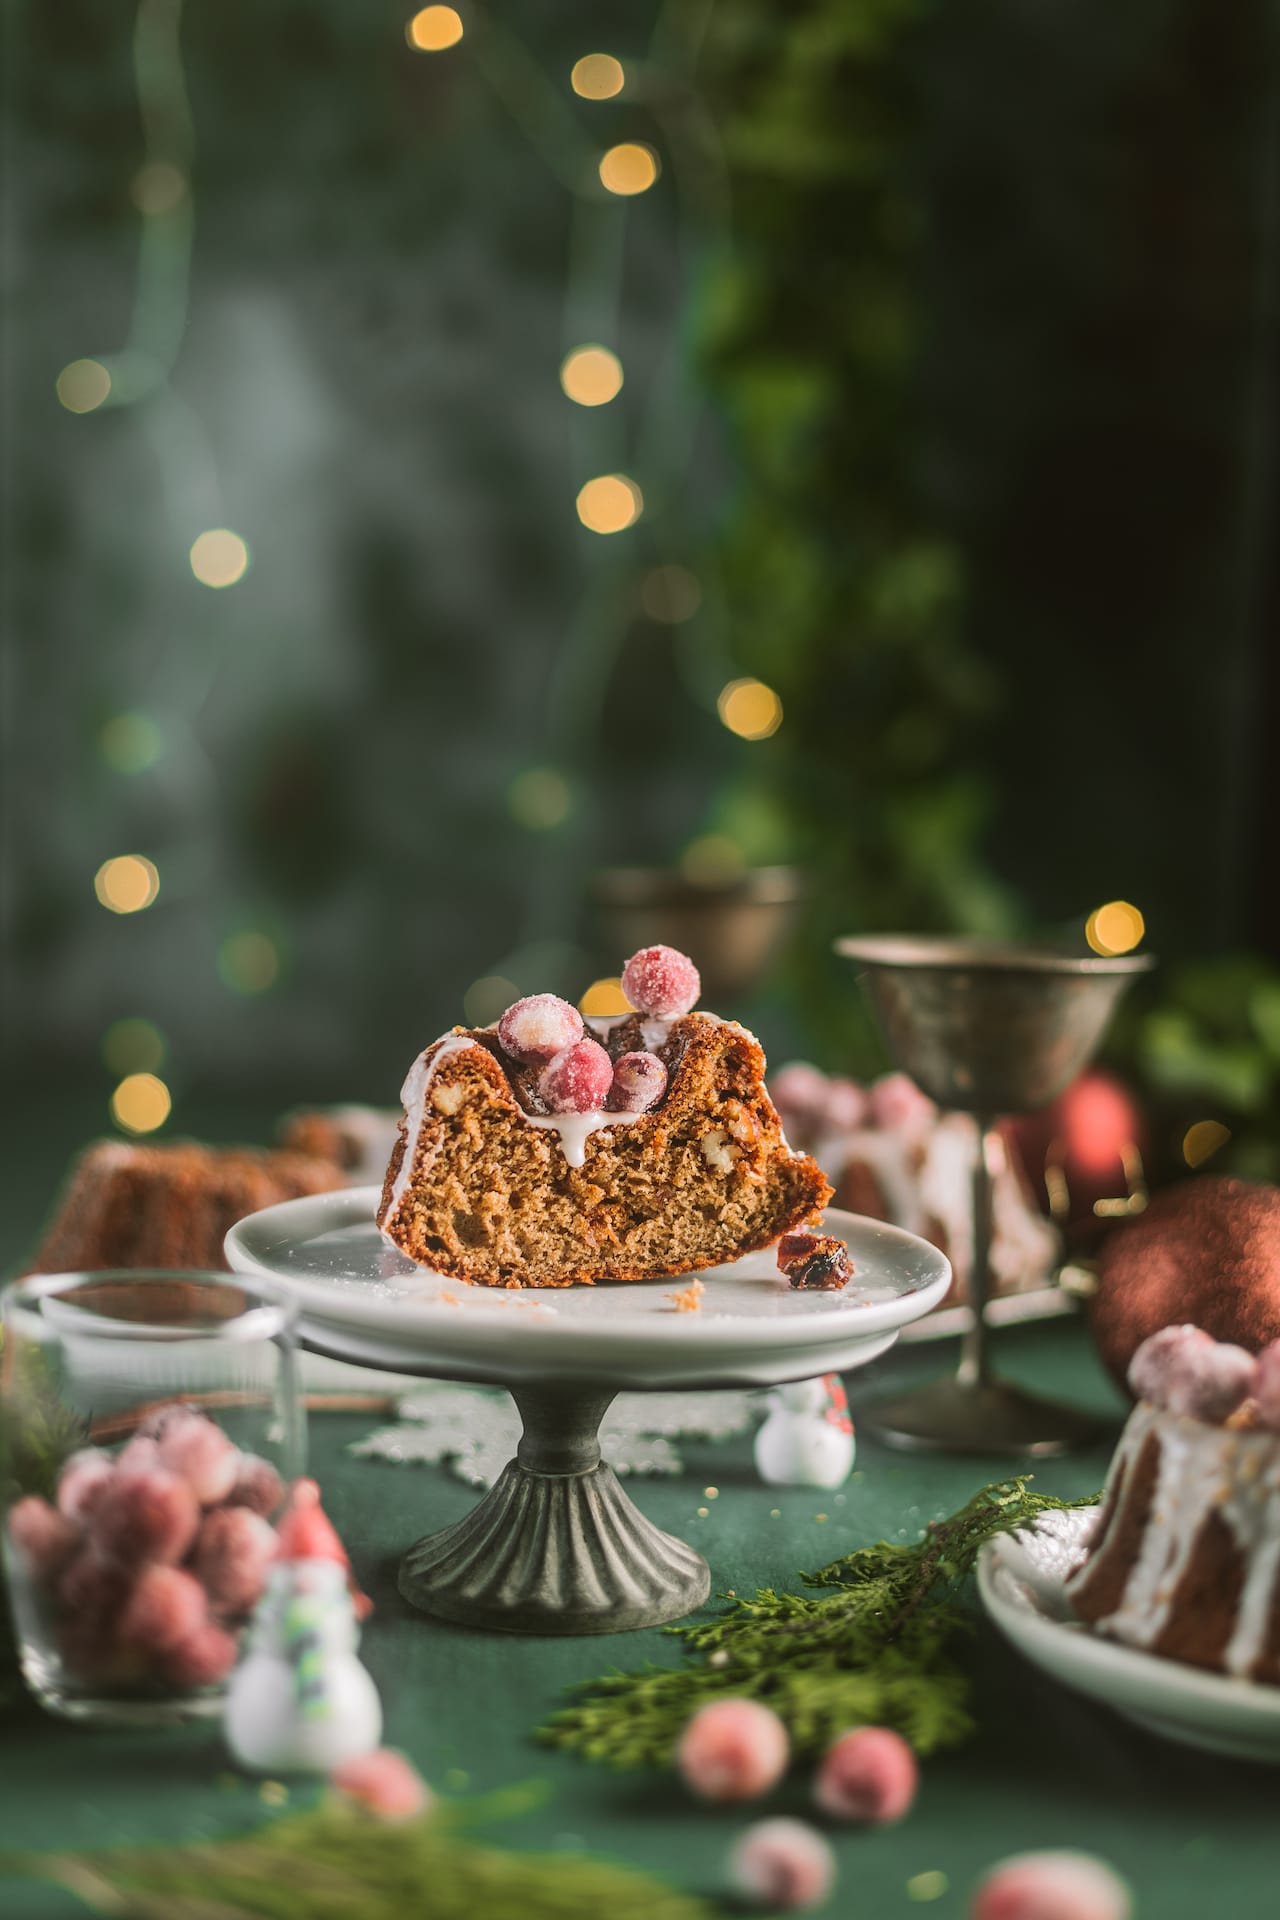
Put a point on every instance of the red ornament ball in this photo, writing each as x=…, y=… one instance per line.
x=639, y=1082
x=869, y=1775
x=577, y=1080
x=538, y=1027
x=733, y=1750
x=660, y=982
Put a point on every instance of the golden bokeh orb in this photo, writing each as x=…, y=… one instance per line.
x=130, y=742
x=750, y=709
x=610, y=503
x=604, y=1000
x=83, y=385
x=126, y=883
x=629, y=168
x=434, y=30
x=1201, y=1141
x=1114, y=928
x=597, y=76
x=591, y=375
x=219, y=557
x=539, y=798
x=141, y=1103
x=488, y=998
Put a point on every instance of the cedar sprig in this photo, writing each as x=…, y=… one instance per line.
x=880, y=1646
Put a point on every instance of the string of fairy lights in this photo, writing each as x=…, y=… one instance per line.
x=607, y=503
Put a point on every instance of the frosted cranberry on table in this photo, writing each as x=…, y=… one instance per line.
x=782, y=1864
x=639, y=1082
x=385, y=1783
x=538, y=1027
x=232, y=1553
x=733, y=1750
x=1266, y=1386
x=577, y=1080
x=800, y=1088
x=44, y=1538
x=1184, y=1371
x=1052, y=1886
x=847, y=1106
x=661, y=983
x=896, y=1102
x=869, y=1775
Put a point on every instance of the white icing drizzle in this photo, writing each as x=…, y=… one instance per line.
x=575, y=1129
x=413, y=1096
x=1203, y=1470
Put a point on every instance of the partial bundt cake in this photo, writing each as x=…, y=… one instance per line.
x=534, y=1154
x=1185, y=1560
x=168, y=1205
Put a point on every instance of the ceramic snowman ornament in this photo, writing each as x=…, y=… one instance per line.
x=807, y=1439
x=300, y=1701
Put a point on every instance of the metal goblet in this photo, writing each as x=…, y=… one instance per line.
x=991, y=1029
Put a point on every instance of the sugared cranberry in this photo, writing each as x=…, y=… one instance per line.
x=200, y=1453
x=639, y=1082
x=84, y=1476
x=201, y=1660
x=165, y=1608
x=257, y=1485
x=661, y=982
x=1185, y=1371
x=800, y=1090
x=847, y=1106
x=577, y=1080
x=733, y=1750
x=234, y=1548
x=385, y=1783
x=782, y=1864
x=144, y=1516
x=896, y=1102
x=174, y=1413
x=1266, y=1386
x=44, y=1538
x=538, y=1027
x=1052, y=1886
x=869, y=1774
x=141, y=1455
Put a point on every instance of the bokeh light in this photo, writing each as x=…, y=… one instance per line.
x=219, y=557
x=141, y=1103
x=604, y=1000
x=83, y=385
x=130, y=742
x=249, y=961
x=434, y=29
x=539, y=798
x=1114, y=928
x=750, y=709
x=133, y=1046
x=610, y=503
x=670, y=595
x=712, y=859
x=591, y=375
x=1201, y=1141
x=597, y=76
x=126, y=883
x=488, y=998
x=628, y=168
x=158, y=187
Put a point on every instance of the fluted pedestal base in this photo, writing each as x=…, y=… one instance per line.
x=555, y=1546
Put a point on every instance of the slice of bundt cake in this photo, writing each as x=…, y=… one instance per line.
x=1185, y=1560
x=536, y=1154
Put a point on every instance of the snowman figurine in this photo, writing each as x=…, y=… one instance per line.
x=807, y=1439
x=300, y=1701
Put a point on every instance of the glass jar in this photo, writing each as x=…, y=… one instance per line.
x=150, y=1424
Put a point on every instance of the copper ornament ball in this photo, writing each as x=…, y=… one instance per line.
x=1206, y=1251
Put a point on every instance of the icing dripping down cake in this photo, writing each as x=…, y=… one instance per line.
x=1185, y=1560
x=547, y=1151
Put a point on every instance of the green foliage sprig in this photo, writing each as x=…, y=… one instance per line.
x=334, y=1862
x=880, y=1648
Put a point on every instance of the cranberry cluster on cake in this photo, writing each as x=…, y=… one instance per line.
x=1185, y=1560
x=549, y=1150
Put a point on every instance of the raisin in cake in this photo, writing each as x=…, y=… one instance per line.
x=537, y=1153
x=1185, y=1560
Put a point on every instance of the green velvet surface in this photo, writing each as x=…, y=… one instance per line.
x=1194, y=1834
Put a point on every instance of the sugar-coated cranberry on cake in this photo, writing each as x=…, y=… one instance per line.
x=546, y=1151
x=1185, y=1559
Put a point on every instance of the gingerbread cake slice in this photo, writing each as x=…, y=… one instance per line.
x=536, y=1153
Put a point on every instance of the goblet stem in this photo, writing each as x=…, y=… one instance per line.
x=975, y=1365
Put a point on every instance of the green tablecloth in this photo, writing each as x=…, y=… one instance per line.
x=1195, y=1835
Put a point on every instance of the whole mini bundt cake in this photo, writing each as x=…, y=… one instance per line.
x=536, y=1153
x=1185, y=1559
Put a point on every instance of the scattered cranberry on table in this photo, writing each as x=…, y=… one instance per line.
x=733, y=1750
x=782, y=1864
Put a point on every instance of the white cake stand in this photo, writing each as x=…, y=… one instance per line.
x=556, y=1546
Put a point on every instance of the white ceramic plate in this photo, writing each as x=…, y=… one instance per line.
x=363, y=1300
x=1021, y=1579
